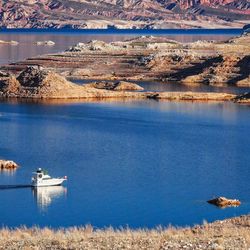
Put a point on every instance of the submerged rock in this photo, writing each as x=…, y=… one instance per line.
x=6, y=164
x=224, y=202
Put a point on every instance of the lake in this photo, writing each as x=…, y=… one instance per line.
x=129, y=163
x=64, y=39
x=136, y=164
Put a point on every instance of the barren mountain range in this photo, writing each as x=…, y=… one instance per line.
x=124, y=13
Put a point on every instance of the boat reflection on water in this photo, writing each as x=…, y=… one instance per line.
x=46, y=195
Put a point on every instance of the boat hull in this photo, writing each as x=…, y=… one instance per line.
x=46, y=183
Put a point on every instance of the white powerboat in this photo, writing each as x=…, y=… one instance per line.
x=42, y=179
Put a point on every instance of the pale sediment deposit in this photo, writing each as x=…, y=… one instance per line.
x=9, y=42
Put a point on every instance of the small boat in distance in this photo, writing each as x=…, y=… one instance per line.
x=42, y=179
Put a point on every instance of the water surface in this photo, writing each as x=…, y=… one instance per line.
x=65, y=38
x=175, y=87
x=140, y=163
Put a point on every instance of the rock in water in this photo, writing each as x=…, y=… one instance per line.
x=224, y=202
x=9, y=165
x=45, y=43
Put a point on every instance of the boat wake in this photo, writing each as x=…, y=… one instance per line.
x=2, y=187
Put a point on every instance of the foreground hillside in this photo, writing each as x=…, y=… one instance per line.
x=123, y=13
x=227, y=234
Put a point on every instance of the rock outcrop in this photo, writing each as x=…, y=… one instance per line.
x=4, y=74
x=229, y=70
x=224, y=202
x=7, y=165
x=244, y=98
x=45, y=43
x=35, y=82
x=91, y=45
x=152, y=58
x=117, y=85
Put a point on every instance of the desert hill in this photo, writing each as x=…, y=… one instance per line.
x=124, y=13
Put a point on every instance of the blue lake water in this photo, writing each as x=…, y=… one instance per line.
x=140, y=163
x=136, y=164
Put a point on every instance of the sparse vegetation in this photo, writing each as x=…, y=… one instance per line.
x=228, y=234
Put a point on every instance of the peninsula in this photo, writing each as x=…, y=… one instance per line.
x=199, y=63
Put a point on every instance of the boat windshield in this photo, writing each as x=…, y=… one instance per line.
x=42, y=171
x=47, y=178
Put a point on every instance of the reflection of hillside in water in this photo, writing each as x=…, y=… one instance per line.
x=45, y=195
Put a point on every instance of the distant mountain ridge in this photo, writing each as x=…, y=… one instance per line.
x=124, y=13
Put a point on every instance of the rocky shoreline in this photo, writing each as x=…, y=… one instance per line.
x=151, y=58
x=200, y=63
x=38, y=83
x=226, y=234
